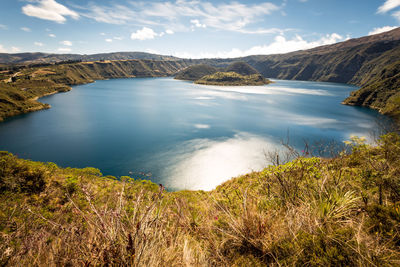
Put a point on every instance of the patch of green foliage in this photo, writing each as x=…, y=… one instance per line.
x=232, y=78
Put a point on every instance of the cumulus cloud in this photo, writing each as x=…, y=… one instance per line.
x=108, y=40
x=25, y=29
x=52, y=35
x=49, y=10
x=2, y=49
x=64, y=49
x=280, y=45
x=67, y=43
x=12, y=50
x=143, y=34
x=197, y=23
x=15, y=49
x=3, y=27
x=38, y=43
x=388, y=5
x=169, y=31
x=381, y=29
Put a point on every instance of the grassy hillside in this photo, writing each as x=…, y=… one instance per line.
x=195, y=72
x=20, y=87
x=241, y=68
x=232, y=78
x=343, y=211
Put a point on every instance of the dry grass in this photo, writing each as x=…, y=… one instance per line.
x=343, y=211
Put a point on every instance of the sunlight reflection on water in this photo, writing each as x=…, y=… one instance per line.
x=204, y=163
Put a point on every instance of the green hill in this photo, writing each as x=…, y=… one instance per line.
x=312, y=211
x=193, y=73
x=241, y=68
x=232, y=78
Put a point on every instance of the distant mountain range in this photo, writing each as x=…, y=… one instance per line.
x=371, y=62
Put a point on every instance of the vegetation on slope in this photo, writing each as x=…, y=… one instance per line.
x=381, y=88
x=20, y=88
x=241, y=68
x=343, y=211
x=232, y=78
x=193, y=73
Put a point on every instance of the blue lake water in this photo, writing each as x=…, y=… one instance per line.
x=180, y=134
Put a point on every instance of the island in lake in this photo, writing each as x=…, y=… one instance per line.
x=236, y=74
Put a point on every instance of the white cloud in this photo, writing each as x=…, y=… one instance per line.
x=52, y=35
x=143, y=34
x=118, y=38
x=231, y=16
x=169, y=31
x=12, y=50
x=278, y=46
x=25, y=29
x=49, y=10
x=197, y=23
x=3, y=27
x=102, y=34
x=67, y=43
x=15, y=49
x=382, y=29
x=38, y=43
x=388, y=5
x=152, y=51
x=108, y=40
x=396, y=15
x=64, y=49
x=2, y=49
x=116, y=14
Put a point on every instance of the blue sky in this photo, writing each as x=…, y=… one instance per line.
x=188, y=28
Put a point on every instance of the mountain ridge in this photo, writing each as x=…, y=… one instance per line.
x=369, y=62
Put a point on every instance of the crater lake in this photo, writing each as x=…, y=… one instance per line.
x=183, y=135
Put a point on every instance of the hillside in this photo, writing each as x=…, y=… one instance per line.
x=195, y=72
x=20, y=89
x=370, y=62
x=232, y=79
x=342, y=211
x=241, y=68
x=34, y=58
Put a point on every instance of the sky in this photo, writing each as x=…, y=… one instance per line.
x=188, y=28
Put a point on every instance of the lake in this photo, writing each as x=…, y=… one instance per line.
x=180, y=134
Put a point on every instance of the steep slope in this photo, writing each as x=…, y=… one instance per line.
x=195, y=72
x=31, y=58
x=370, y=62
x=241, y=68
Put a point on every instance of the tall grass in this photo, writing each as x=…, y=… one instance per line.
x=343, y=211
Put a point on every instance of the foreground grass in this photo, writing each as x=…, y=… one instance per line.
x=343, y=211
